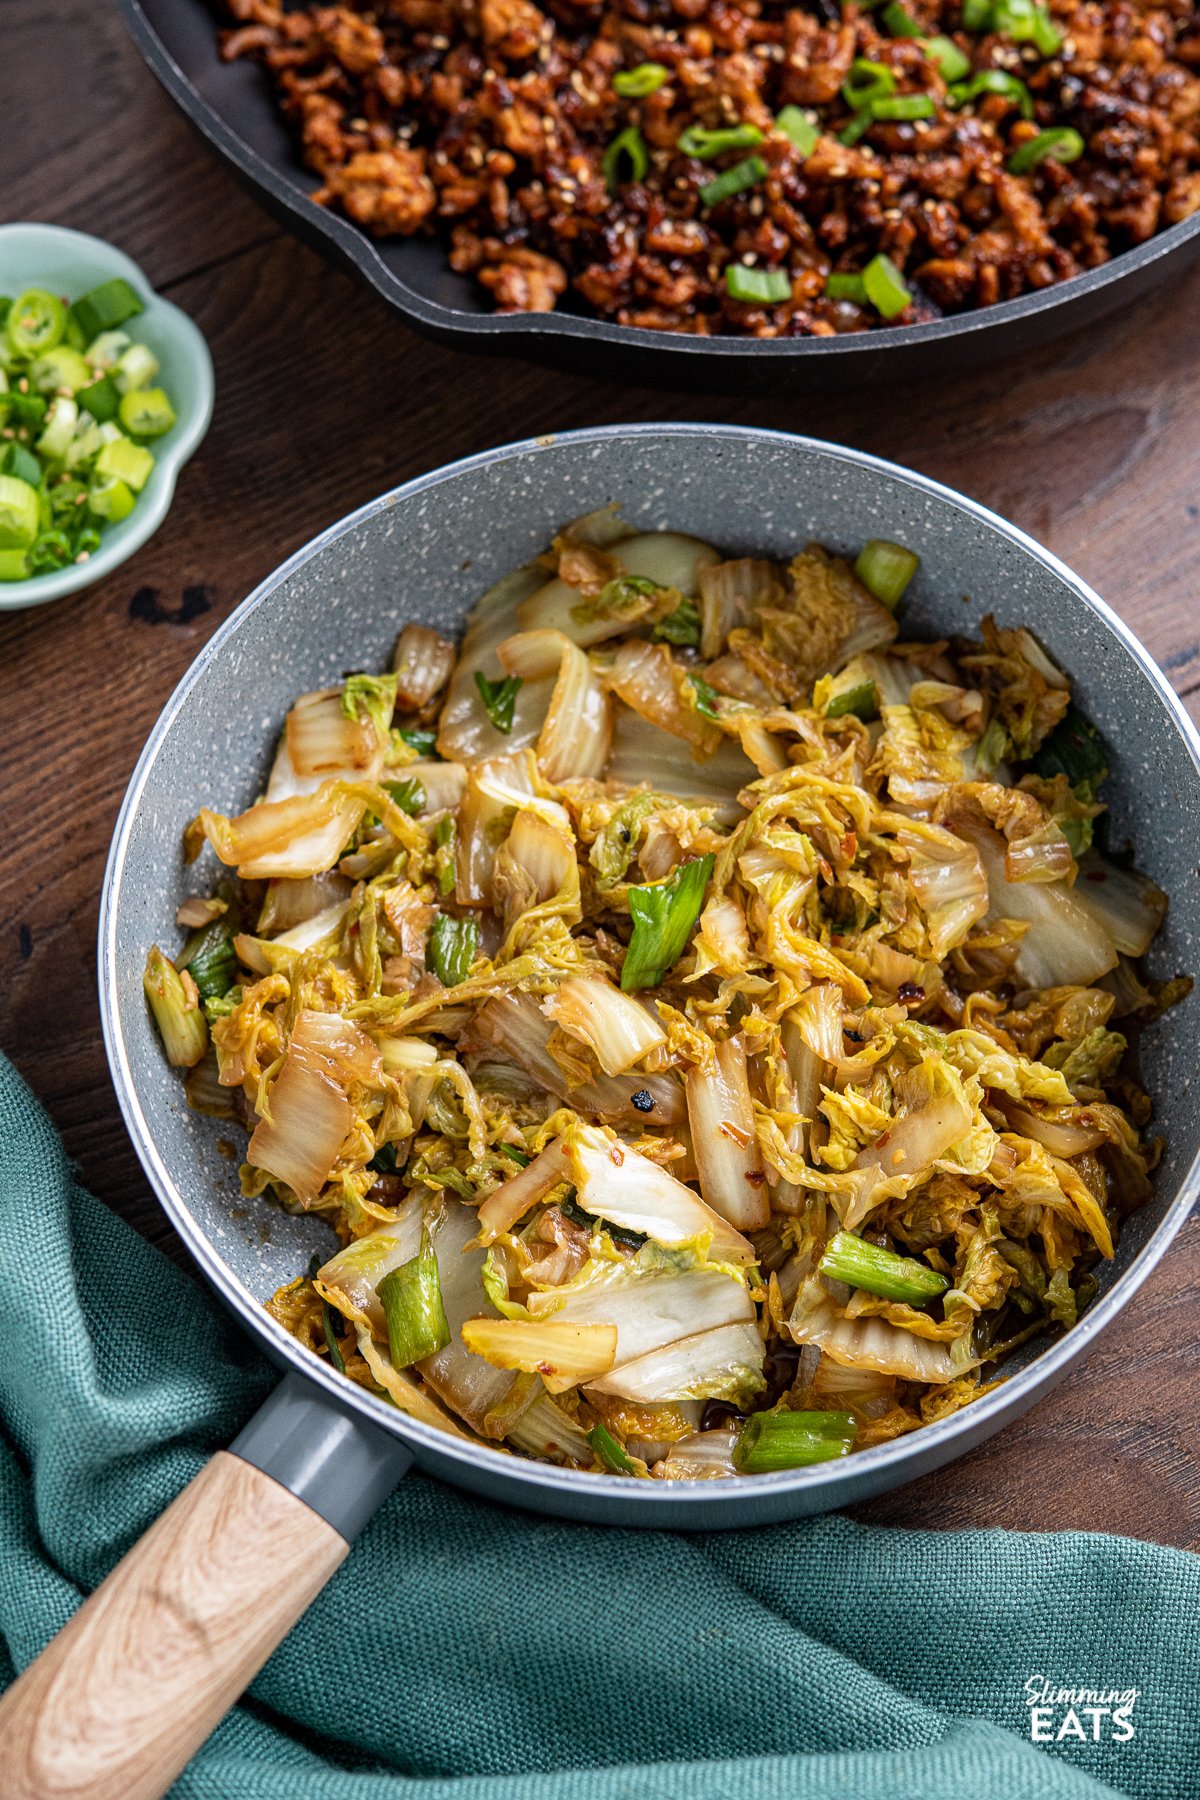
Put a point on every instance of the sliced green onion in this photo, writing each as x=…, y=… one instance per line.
x=664, y=915
x=146, y=413
x=19, y=513
x=61, y=419
x=14, y=565
x=444, y=838
x=858, y=126
x=521, y=1157
x=846, y=287
x=900, y=21
x=104, y=307
x=951, y=62
x=867, y=81
x=886, y=569
x=135, y=368
x=1062, y=143
x=860, y=700
x=995, y=81
x=681, y=626
x=451, y=949
x=408, y=794
x=37, y=320
x=706, y=697
x=179, y=1018
x=110, y=498
x=878, y=1271
x=700, y=142
x=757, y=285
x=976, y=14
x=423, y=742
x=609, y=1452
x=101, y=399
x=411, y=1298
x=792, y=1440
x=52, y=550
x=210, y=959
x=1025, y=22
x=499, y=697
x=635, y=84
x=902, y=106
x=628, y=147
x=798, y=128
x=130, y=463
x=743, y=175
x=885, y=287
x=331, y=1343
x=27, y=410
x=385, y=1161
x=87, y=540
x=61, y=367
x=17, y=460
x=1073, y=749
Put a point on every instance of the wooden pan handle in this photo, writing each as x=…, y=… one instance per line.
x=152, y=1661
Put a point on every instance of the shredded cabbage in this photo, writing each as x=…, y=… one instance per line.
x=678, y=919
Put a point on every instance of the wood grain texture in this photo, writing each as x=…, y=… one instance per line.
x=149, y=1665
x=323, y=399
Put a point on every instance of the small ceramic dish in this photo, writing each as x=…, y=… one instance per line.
x=71, y=263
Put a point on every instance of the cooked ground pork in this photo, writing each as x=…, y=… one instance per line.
x=487, y=122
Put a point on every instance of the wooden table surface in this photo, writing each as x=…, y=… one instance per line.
x=324, y=398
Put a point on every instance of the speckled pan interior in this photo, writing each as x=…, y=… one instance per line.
x=426, y=552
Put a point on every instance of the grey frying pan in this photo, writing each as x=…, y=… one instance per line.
x=145, y=1670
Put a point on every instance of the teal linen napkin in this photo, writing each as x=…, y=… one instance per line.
x=466, y=1652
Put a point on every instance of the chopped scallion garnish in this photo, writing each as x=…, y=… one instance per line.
x=210, y=959
x=878, y=1271
x=791, y=1440
x=885, y=287
x=609, y=1452
x=903, y=107
x=104, y=307
x=664, y=915
x=846, y=287
x=886, y=569
x=451, y=950
x=423, y=742
x=798, y=128
x=700, y=142
x=733, y=181
x=635, y=84
x=627, y=151
x=1062, y=143
x=900, y=21
x=499, y=697
x=411, y=1298
x=952, y=63
x=680, y=626
x=867, y=81
x=757, y=286
x=409, y=795
x=860, y=700
x=994, y=81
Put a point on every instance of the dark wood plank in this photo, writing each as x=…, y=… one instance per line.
x=324, y=399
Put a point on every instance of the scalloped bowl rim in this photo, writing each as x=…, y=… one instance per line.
x=121, y=542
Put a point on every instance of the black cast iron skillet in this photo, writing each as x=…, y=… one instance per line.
x=232, y=105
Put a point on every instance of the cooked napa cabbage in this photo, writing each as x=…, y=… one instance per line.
x=690, y=1005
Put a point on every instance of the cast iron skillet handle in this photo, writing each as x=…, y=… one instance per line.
x=126, y=1693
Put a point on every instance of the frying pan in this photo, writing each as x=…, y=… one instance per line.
x=233, y=107
x=146, y=1668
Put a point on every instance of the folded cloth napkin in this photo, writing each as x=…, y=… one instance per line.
x=465, y=1651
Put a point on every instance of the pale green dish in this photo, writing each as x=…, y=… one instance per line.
x=70, y=262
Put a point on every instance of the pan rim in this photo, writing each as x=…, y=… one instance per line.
x=933, y=1444
x=353, y=244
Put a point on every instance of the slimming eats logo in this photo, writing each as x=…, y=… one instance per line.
x=1089, y=1715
